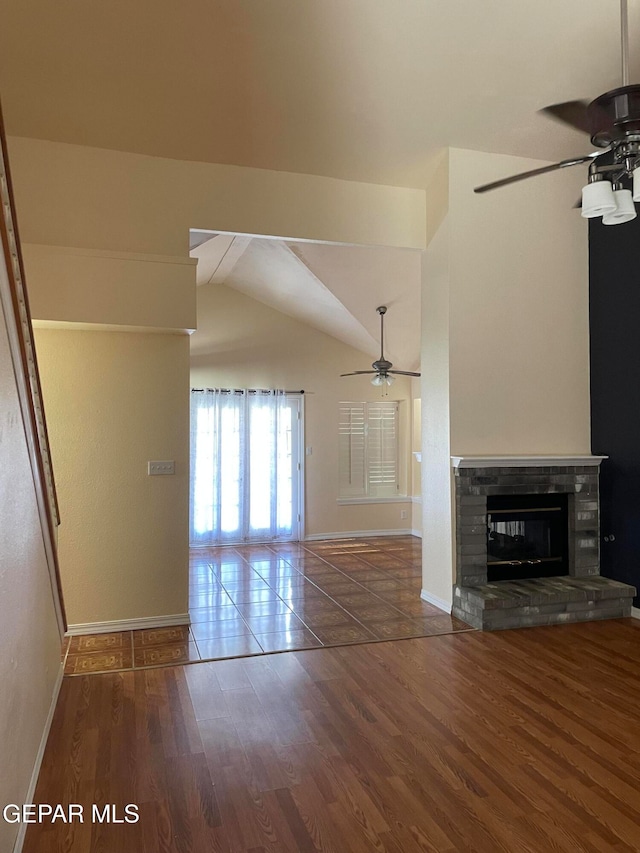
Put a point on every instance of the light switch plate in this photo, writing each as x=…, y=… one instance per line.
x=157, y=468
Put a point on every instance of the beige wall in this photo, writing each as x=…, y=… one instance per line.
x=30, y=660
x=70, y=285
x=244, y=344
x=505, y=333
x=72, y=195
x=114, y=401
x=518, y=310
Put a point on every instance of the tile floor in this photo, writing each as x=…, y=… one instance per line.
x=254, y=599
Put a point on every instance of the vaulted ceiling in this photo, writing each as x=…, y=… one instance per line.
x=335, y=289
x=357, y=89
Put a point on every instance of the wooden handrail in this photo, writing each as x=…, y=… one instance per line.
x=15, y=304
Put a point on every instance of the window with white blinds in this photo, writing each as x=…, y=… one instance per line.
x=368, y=450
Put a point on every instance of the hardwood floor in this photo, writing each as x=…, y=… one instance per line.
x=511, y=741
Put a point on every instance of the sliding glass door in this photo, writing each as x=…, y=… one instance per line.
x=245, y=466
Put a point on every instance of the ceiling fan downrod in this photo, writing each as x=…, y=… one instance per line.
x=624, y=40
x=382, y=310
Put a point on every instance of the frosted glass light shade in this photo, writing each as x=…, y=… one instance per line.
x=381, y=379
x=625, y=209
x=597, y=199
x=636, y=184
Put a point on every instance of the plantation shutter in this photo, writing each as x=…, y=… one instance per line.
x=382, y=449
x=352, y=450
x=368, y=449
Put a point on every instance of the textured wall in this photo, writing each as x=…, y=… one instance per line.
x=519, y=301
x=115, y=400
x=30, y=660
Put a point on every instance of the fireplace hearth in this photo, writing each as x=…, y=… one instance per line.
x=527, y=543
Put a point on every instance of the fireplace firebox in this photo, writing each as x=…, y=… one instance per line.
x=527, y=536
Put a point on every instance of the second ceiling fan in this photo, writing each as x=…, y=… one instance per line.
x=382, y=372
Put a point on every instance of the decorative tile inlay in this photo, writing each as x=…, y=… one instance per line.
x=167, y=655
x=344, y=634
x=161, y=636
x=99, y=643
x=328, y=619
x=393, y=628
x=111, y=661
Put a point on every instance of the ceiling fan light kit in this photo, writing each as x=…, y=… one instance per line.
x=612, y=121
x=625, y=208
x=379, y=379
x=597, y=198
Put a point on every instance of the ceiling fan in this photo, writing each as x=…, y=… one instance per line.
x=612, y=121
x=382, y=372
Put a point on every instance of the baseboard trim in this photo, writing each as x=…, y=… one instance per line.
x=128, y=624
x=356, y=534
x=438, y=602
x=417, y=533
x=29, y=796
x=635, y=612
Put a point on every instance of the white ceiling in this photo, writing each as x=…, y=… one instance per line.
x=356, y=89
x=335, y=289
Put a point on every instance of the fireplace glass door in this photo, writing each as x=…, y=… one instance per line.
x=527, y=536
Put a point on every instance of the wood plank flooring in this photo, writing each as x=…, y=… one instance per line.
x=512, y=741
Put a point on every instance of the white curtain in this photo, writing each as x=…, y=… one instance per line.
x=242, y=466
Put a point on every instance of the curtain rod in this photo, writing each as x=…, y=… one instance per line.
x=245, y=391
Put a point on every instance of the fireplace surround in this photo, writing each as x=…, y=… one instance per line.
x=486, y=485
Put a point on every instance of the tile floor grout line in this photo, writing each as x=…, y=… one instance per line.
x=277, y=632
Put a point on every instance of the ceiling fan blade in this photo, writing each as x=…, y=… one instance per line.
x=358, y=372
x=573, y=161
x=403, y=372
x=590, y=118
x=573, y=113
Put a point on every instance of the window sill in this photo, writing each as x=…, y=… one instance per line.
x=394, y=500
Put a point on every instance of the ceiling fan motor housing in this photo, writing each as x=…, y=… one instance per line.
x=614, y=115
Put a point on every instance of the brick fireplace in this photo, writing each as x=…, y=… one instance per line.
x=485, y=546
